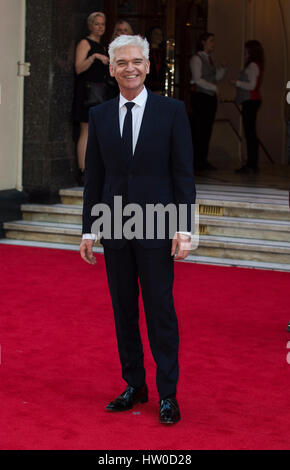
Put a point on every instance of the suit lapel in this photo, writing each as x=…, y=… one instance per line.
x=115, y=136
x=144, y=133
x=115, y=125
x=146, y=125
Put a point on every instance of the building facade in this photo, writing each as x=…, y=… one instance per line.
x=37, y=144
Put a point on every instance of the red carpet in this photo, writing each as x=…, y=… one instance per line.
x=60, y=365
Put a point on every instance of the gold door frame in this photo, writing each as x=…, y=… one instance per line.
x=170, y=48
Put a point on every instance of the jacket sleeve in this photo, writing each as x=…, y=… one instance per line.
x=94, y=176
x=182, y=165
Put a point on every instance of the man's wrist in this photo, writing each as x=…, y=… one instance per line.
x=188, y=234
x=89, y=236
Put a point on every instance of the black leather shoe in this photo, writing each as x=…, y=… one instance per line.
x=129, y=398
x=288, y=327
x=169, y=411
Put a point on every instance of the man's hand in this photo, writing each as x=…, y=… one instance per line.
x=86, y=250
x=180, y=242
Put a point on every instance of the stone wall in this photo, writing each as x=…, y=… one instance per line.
x=53, y=28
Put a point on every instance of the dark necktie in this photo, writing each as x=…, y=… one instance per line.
x=127, y=136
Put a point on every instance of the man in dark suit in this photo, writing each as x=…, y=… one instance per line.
x=140, y=148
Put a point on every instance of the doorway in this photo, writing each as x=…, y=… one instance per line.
x=181, y=22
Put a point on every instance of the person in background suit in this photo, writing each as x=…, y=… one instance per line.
x=204, y=96
x=140, y=148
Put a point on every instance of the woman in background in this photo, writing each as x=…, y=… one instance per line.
x=249, y=96
x=122, y=27
x=92, y=67
x=204, y=95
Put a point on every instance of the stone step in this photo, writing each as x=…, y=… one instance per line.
x=73, y=196
x=254, y=204
x=209, y=245
x=232, y=201
x=244, y=210
x=236, y=189
x=43, y=231
x=231, y=193
x=238, y=263
x=209, y=225
x=244, y=249
x=243, y=227
x=63, y=213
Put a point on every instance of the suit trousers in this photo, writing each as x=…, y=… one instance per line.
x=154, y=268
x=203, y=111
x=249, y=113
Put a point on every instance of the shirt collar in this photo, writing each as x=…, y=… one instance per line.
x=140, y=99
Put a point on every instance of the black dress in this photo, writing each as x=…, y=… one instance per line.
x=97, y=73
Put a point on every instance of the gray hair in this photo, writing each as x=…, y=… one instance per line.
x=125, y=40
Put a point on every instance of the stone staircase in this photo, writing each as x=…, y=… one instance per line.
x=238, y=225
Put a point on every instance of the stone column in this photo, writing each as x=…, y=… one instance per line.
x=53, y=28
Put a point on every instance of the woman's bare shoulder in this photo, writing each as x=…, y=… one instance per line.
x=84, y=44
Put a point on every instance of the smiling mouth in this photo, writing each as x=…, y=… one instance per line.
x=131, y=77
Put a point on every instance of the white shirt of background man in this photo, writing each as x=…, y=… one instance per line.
x=196, y=72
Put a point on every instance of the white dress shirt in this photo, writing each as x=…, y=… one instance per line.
x=196, y=72
x=253, y=73
x=137, y=116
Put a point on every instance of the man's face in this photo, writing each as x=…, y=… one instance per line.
x=209, y=45
x=130, y=68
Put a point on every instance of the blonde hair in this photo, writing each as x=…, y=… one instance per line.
x=93, y=16
x=128, y=26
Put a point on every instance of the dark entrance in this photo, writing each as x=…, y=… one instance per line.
x=49, y=159
x=181, y=22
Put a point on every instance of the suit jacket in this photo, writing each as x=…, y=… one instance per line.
x=161, y=170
